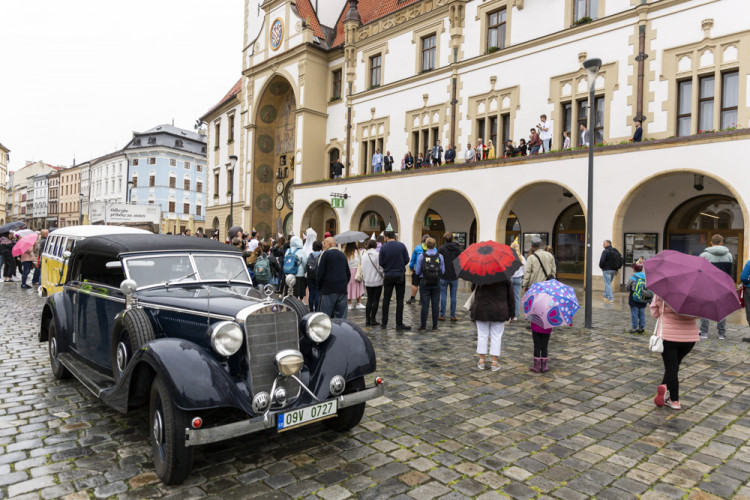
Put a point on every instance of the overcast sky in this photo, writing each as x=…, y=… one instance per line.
x=77, y=77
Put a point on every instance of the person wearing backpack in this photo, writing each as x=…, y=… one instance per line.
x=430, y=266
x=312, y=276
x=262, y=268
x=638, y=298
x=610, y=262
x=295, y=263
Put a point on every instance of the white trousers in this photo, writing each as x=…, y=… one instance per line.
x=492, y=331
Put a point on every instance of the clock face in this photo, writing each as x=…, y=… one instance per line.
x=279, y=202
x=290, y=195
x=279, y=187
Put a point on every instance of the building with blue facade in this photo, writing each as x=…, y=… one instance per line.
x=167, y=166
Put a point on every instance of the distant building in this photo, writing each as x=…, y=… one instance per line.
x=41, y=201
x=23, y=190
x=4, y=158
x=85, y=169
x=70, y=197
x=107, y=177
x=167, y=166
x=53, y=184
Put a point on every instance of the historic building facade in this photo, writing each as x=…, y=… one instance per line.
x=355, y=76
x=167, y=166
x=69, y=197
x=4, y=159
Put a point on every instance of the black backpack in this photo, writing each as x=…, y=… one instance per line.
x=312, y=266
x=431, y=270
x=615, y=258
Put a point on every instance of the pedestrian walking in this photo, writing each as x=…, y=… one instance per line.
x=262, y=268
x=517, y=278
x=718, y=255
x=448, y=279
x=412, y=265
x=610, y=262
x=393, y=259
x=492, y=308
x=38, y=249
x=333, y=276
x=638, y=298
x=27, y=261
x=679, y=335
x=312, y=277
x=430, y=266
x=745, y=279
x=540, y=265
x=373, y=280
x=355, y=288
x=295, y=263
x=7, y=262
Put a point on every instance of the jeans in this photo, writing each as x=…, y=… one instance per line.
x=534, y=150
x=376, y=168
x=672, y=356
x=444, y=284
x=314, y=296
x=546, y=143
x=721, y=326
x=36, y=275
x=429, y=294
x=517, y=292
x=371, y=307
x=608, y=277
x=492, y=331
x=389, y=283
x=25, y=270
x=637, y=317
x=334, y=305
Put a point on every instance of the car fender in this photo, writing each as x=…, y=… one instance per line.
x=196, y=380
x=347, y=352
x=56, y=309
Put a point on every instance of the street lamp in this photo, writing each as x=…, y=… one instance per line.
x=230, y=182
x=80, y=208
x=592, y=68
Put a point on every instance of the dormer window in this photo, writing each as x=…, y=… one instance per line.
x=152, y=140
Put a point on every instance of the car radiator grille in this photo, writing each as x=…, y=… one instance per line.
x=267, y=334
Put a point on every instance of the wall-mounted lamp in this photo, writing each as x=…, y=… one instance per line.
x=567, y=193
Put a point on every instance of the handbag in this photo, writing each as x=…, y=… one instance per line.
x=470, y=302
x=656, y=343
x=741, y=294
x=358, y=276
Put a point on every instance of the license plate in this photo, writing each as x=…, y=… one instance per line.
x=302, y=416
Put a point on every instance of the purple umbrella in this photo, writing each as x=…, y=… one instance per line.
x=691, y=285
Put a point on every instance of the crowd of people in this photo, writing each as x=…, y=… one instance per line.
x=27, y=264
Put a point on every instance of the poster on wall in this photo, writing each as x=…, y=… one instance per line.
x=640, y=246
x=460, y=240
x=527, y=237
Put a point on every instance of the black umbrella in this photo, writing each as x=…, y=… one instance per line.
x=11, y=226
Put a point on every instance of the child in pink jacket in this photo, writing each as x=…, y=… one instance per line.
x=679, y=334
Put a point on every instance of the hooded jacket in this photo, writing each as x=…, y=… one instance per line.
x=719, y=256
x=296, y=246
x=415, y=255
x=450, y=252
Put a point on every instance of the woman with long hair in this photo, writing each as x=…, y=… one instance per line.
x=355, y=289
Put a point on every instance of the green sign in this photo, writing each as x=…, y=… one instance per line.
x=337, y=203
x=427, y=221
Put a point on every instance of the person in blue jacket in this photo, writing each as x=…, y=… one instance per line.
x=419, y=250
x=745, y=279
x=637, y=308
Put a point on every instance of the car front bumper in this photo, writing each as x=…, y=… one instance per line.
x=197, y=437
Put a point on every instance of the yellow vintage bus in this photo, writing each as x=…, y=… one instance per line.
x=63, y=240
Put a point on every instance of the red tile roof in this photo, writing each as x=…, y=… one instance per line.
x=232, y=92
x=307, y=12
x=369, y=11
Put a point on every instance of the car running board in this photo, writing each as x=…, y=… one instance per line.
x=94, y=381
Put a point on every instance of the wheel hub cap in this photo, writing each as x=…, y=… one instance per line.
x=122, y=357
x=158, y=426
x=53, y=347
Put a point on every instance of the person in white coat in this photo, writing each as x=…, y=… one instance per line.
x=372, y=275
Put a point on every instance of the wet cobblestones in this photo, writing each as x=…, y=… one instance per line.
x=444, y=429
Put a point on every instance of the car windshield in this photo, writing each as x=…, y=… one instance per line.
x=174, y=269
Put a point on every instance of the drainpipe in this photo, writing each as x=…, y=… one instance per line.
x=641, y=58
x=349, y=131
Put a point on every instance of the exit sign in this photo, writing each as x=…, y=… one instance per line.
x=337, y=203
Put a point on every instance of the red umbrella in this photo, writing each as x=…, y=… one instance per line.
x=24, y=244
x=487, y=262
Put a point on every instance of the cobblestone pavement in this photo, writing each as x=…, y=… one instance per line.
x=444, y=430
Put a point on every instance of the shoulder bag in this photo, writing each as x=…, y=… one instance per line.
x=375, y=265
x=470, y=302
x=656, y=343
x=546, y=276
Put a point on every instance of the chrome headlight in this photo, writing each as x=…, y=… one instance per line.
x=318, y=326
x=289, y=362
x=226, y=337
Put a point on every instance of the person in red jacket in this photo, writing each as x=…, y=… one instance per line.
x=679, y=335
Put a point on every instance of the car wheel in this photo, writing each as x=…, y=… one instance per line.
x=172, y=459
x=58, y=370
x=299, y=307
x=136, y=331
x=350, y=416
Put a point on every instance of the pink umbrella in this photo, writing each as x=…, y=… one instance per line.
x=691, y=285
x=24, y=244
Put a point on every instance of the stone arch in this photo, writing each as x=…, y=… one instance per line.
x=713, y=184
x=317, y=215
x=454, y=215
x=366, y=205
x=264, y=87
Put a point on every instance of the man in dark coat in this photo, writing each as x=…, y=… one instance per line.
x=393, y=258
x=450, y=252
x=333, y=276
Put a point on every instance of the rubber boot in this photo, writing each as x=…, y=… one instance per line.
x=537, y=367
x=544, y=365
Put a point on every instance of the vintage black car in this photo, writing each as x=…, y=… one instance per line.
x=175, y=323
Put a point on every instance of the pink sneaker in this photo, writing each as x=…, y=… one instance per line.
x=661, y=391
x=675, y=405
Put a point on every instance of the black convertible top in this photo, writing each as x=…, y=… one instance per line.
x=120, y=244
